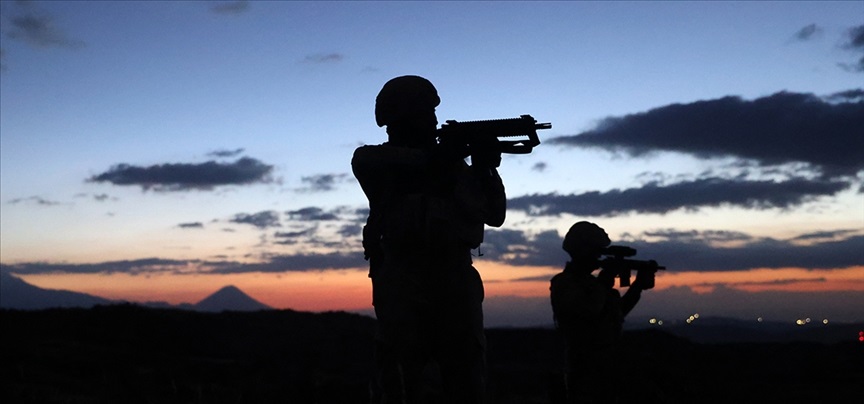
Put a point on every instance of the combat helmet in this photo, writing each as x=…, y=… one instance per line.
x=585, y=238
x=405, y=97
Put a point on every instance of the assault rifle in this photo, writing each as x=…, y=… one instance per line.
x=617, y=261
x=481, y=135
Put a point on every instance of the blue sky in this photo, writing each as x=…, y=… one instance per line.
x=268, y=100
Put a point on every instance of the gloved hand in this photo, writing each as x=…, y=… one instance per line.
x=607, y=277
x=644, y=279
x=486, y=159
x=450, y=150
x=486, y=154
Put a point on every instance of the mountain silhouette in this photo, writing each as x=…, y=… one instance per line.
x=17, y=294
x=229, y=298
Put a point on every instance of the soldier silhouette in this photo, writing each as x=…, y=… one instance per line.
x=589, y=313
x=427, y=211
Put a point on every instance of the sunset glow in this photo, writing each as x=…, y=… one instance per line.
x=351, y=289
x=160, y=151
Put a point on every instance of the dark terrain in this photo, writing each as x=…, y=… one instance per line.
x=131, y=354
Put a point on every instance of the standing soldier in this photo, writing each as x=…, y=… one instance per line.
x=427, y=211
x=589, y=312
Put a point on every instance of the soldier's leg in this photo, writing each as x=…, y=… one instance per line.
x=462, y=351
x=399, y=351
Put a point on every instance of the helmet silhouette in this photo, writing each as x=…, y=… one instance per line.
x=585, y=238
x=405, y=98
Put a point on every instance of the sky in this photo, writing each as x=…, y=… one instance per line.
x=158, y=151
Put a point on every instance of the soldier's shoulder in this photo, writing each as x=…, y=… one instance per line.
x=559, y=276
x=368, y=147
x=568, y=279
x=562, y=280
x=368, y=152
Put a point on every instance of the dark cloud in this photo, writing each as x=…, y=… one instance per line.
x=295, y=234
x=183, y=176
x=808, y=32
x=687, y=250
x=39, y=30
x=309, y=227
x=826, y=235
x=225, y=153
x=855, y=38
x=97, y=197
x=261, y=220
x=230, y=7
x=321, y=182
x=856, y=67
x=339, y=231
x=702, y=255
x=272, y=264
x=350, y=230
x=855, y=42
x=848, y=95
x=539, y=167
x=133, y=267
x=677, y=250
x=38, y=200
x=192, y=225
x=694, y=194
x=778, y=129
x=706, y=236
x=295, y=237
x=518, y=248
x=296, y=263
x=321, y=58
x=312, y=214
x=775, y=282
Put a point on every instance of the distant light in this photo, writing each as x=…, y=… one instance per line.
x=860, y=336
x=824, y=321
x=807, y=320
x=659, y=322
x=689, y=320
x=759, y=319
x=799, y=322
x=696, y=315
x=653, y=321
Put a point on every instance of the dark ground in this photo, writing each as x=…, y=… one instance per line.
x=129, y=354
